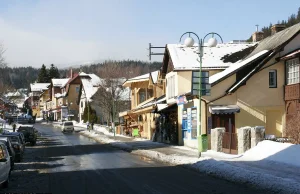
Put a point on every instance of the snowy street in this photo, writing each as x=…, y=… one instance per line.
x=72, y=163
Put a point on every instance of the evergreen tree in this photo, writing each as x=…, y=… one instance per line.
x=43, y=75
x=92, y=116
x=53, y=72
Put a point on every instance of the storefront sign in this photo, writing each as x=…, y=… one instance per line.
x=181, y=100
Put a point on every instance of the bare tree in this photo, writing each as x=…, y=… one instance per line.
x=111, y=97
x=2, y=60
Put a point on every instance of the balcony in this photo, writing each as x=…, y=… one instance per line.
x=292, y=92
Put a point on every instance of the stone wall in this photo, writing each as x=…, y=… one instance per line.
x=257, y=135
x=244, y=135
x=217, y=139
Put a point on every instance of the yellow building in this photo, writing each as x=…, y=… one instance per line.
x=247, y=92
x=146, y=92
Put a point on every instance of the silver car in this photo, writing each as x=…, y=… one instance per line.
x=67, y=126
x=5, y=167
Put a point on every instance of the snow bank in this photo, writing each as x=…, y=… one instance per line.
x=278, y=152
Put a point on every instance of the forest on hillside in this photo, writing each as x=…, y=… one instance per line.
x=21, y=77
x=292, y=20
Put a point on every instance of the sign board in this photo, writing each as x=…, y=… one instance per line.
x=181, y=100
x=205, y=86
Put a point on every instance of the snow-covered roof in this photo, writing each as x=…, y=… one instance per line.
x=39, y=87
x=154, y=76
x=187, y=58
x=90, y=84
x=14, y=94
x=60, y=82
x=59, y=95
x=141, y=78
x=234, y=67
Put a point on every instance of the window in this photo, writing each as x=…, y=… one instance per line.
x=77, y=89
x=205, y=86
x=171, y=86
x=273, y=78
x=149, y=93
x=142, y=95
x=292, y=71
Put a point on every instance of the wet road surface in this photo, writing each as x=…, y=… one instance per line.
x=71, y=164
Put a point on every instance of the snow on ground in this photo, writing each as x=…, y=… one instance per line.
x=274, y=151
x=224, y=165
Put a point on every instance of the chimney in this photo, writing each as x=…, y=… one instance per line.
x=257, y=35
x=71, y=73
x=277, y=28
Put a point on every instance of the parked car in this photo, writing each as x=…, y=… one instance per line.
x=29, y=132
x=20, y=135
x=5, y=168
x=67, y=126
x=17, y=145
x=10, y=150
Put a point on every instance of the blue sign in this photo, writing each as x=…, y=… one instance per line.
x=181, y=100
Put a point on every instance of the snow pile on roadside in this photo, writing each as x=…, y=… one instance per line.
x=274, y=151
x=244, y=176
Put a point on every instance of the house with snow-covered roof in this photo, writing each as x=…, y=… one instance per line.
x=260, y=90
x=180, y=71
x=36, y=89
x=147, y=91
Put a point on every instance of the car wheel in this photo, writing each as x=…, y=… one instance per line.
x=6, y=183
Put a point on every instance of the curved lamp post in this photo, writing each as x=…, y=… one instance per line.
x=189, y=42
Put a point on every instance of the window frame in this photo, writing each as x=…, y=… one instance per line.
x=274, y=71
x=287, y=67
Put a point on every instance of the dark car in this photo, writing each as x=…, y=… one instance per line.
x=29, y=132
x=17, y=145
x=10, y=149
x=20, y=135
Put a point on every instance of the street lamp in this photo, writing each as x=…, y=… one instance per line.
x=113, y=106
x=189, y=42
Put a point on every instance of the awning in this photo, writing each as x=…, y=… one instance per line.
x=291, y=55
x=161, y=107
x=224, y=109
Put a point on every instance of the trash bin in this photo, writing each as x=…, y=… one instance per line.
x=203, y=144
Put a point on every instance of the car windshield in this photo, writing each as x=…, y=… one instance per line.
x=68, y=124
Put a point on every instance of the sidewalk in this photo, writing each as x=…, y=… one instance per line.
x=273, y=176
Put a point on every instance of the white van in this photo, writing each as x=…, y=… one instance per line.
x=67, y=126
x=5, y=167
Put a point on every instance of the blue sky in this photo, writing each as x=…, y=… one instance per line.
x=66, y=32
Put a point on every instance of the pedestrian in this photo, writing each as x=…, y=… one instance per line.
x=14, y=127
x=92, y=125
x=47, y=119
x=88, y=126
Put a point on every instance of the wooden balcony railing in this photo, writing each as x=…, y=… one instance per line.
x=292, y=92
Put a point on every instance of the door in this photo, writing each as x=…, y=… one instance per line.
x=224, y=120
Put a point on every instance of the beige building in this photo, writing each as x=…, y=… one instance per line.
x=146, y=92
x=257, y=90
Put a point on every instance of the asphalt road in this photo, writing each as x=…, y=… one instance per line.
x=71, y=164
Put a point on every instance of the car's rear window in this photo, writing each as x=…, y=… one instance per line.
x=25, y=129
x=14, y=139
x=68, y=124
